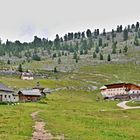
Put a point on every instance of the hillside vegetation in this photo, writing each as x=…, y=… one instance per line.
x=68, y=53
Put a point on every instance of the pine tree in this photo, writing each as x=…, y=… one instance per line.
x=125, y=34
x=81, y=52
x=101, y=57
x=63, y=53
x=108, y=57
x=55, y=70
x=59, y=54
x=114, y=50
x=100, y=42
x=59, y=60
x=104, y=32
x=94, y=55
x=86, y=51
x=114, y=47
x=136, y=41
x=75, y=55
x=137, y=26
x=89, y=34
x=20, y=68
x=54, y=55
x=125, y=49
x=120, y=51
x=76, y=60
x=8, y=62
x=97, y=49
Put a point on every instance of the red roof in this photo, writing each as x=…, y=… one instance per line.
x=126, y=85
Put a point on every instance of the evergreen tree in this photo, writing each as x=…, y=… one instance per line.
x=65, y=37
x=83, y=34
x=137, y=26
x=104, y=32
x=98, y=32
x=75, y=55
x=59, y=54
x=136, y=41
x=113, y=34
x=54, y=55
x=114, y=50
x=132, y=26
x=95, y=33
x=57, y=42
x=81, y=52
x=114, y=46
x=89, y=34
x=100, y=41
x=120, y=51
x=20, y=68
x=94, y=55
x=125, y=49
x=125, y=34
x=63, y=53
x=76, y=60
x=86, y=51
x=121, y=28
x=97, y=49
x=8, y=62
x=108, y=37
x=108, y=57
x=139, y=33
x=59, y=60
x=55, y=70
x=101, y=57
x=36, y=57
x=118, y=29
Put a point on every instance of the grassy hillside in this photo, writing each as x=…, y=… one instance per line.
x=75, y=111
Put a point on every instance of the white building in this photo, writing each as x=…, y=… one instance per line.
x=27, y=76
x=7, y=95
x=120, y=89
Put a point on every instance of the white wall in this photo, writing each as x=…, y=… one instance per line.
x=27, y=78
x=113, y=92
x=9, y=97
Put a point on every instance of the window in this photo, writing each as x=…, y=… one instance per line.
x=5, y=96
x=9, y=96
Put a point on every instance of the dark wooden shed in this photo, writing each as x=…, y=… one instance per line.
x=29, y=95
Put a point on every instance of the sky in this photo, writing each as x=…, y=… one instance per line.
x=23, y=19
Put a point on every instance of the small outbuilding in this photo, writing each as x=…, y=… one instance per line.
x=29, y=95
x=27, y=76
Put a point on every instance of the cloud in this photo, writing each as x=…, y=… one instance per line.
x=22, y=19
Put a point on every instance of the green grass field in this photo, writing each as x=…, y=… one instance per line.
x=76, y=113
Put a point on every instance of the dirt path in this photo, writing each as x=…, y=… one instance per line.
x=39, y=131
x=124, y=106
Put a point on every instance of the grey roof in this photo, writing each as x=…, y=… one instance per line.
x=4, y=88
x=33, y=92
x=27, y=74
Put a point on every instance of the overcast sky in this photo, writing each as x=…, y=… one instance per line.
x=22, y=19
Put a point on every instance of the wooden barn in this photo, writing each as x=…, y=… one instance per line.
x=29, y=95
